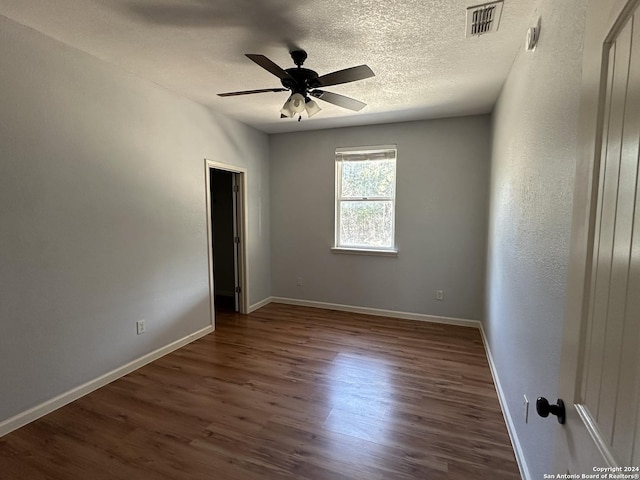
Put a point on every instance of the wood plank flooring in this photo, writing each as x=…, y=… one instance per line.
x=285, y=393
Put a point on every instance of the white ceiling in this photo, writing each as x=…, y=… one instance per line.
x=424, y=65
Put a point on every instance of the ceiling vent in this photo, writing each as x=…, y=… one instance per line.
x=482, y=19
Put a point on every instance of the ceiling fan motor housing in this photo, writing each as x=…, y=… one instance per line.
x=303, y=80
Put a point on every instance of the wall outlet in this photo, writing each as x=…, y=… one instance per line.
x=526, y=409
x=439, y=294
x=299, y=281
x=140, y=327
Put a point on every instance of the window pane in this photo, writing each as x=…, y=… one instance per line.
x=366, y=224
x=368, y=178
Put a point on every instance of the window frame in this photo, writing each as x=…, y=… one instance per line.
x=369, y=153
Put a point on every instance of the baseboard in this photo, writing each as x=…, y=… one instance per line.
x=49, y=406
x=260, y=304
x=378, y=312
x=513, y=435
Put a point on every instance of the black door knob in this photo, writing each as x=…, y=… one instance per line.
x=544, y=409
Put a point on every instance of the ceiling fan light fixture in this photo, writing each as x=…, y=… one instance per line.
x=286, y=109
x=311, y=107
x=297, y=103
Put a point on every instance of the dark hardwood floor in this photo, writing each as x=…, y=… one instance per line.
x=285, y=393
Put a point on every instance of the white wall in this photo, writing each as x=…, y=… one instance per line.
x=102, y=215
x=532, y=180
x=442, y=195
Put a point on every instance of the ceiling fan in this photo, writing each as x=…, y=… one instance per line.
x=304, y=83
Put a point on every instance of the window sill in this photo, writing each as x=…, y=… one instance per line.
x=365, y=251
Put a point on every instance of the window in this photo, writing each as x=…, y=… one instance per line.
x=365, y=199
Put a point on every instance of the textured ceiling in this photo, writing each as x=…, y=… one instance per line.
x=424, y=65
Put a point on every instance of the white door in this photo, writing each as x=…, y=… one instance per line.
x=600, y=377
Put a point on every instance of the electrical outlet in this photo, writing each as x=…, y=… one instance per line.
x=439, y=294
x=526, y=409
x=140, y=327
x=299, y=281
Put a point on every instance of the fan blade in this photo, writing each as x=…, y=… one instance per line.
x=249, y=92
x=269, y=66
x=345, y=76
x=339, y=100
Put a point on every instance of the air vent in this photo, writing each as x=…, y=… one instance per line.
x=482, y=19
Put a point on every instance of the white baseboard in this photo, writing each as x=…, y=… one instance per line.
x=49, y=406
x=260, y=304
x=511, y=429
x=378, y=312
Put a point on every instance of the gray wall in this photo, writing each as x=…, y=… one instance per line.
x=442, y=195
x=532, y=180
x=102, y=215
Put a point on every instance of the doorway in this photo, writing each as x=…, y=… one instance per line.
x=226, y=217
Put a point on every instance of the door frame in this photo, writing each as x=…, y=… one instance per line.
x=604, y=19
x=242, y=225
